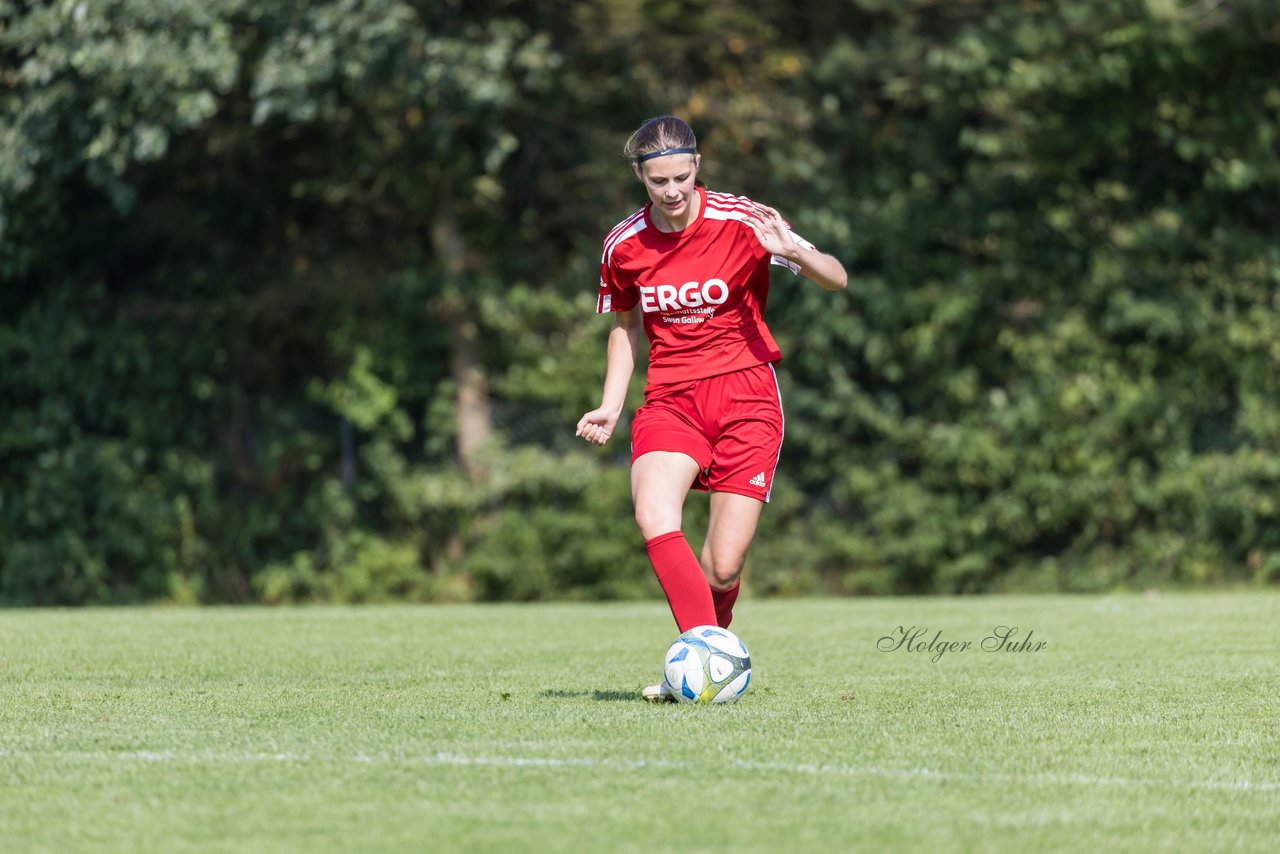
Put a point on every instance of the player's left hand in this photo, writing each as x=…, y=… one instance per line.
x=773, y=232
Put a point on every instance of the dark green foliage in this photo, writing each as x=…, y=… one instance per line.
x=256, y=262
x=1058, y=377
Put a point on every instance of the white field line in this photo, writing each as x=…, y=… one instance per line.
x=499, y=761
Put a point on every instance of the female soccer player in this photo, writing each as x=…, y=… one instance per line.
x=691, y=268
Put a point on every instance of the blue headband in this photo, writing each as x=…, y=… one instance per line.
x=664, y=152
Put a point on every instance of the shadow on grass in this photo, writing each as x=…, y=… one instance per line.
x=599, y=696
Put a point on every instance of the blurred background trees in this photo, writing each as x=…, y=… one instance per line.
x=296, y=299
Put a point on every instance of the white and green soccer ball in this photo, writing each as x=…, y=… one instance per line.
x=707, y=664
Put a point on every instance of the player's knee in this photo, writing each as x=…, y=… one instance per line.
x=655, y=520
x=722, y=569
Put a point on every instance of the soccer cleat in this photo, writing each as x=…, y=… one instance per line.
x=660, y=693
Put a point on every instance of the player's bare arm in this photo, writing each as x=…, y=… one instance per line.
x=775, y=236
x=597, y=425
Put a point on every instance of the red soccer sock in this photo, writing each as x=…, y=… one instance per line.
x=680, y=575
x=724, y=600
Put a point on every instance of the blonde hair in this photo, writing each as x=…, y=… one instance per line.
x=660, y=134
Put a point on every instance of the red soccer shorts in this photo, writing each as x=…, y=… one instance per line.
x=730, y=424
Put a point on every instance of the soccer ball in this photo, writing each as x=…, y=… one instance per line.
x=707, y=664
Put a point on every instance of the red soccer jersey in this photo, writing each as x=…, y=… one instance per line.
x=702, y=290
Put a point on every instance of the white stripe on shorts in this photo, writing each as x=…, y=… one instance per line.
x=783, y=416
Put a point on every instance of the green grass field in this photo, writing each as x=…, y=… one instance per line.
x=1143, y=724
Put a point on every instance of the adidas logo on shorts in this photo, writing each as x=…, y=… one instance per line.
x=758, y=480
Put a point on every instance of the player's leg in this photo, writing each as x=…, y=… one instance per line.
x=731, y=528
x=745, y=456
x=660, y=480
x=668, y=456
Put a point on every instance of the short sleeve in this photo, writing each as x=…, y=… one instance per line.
x=612, y=295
